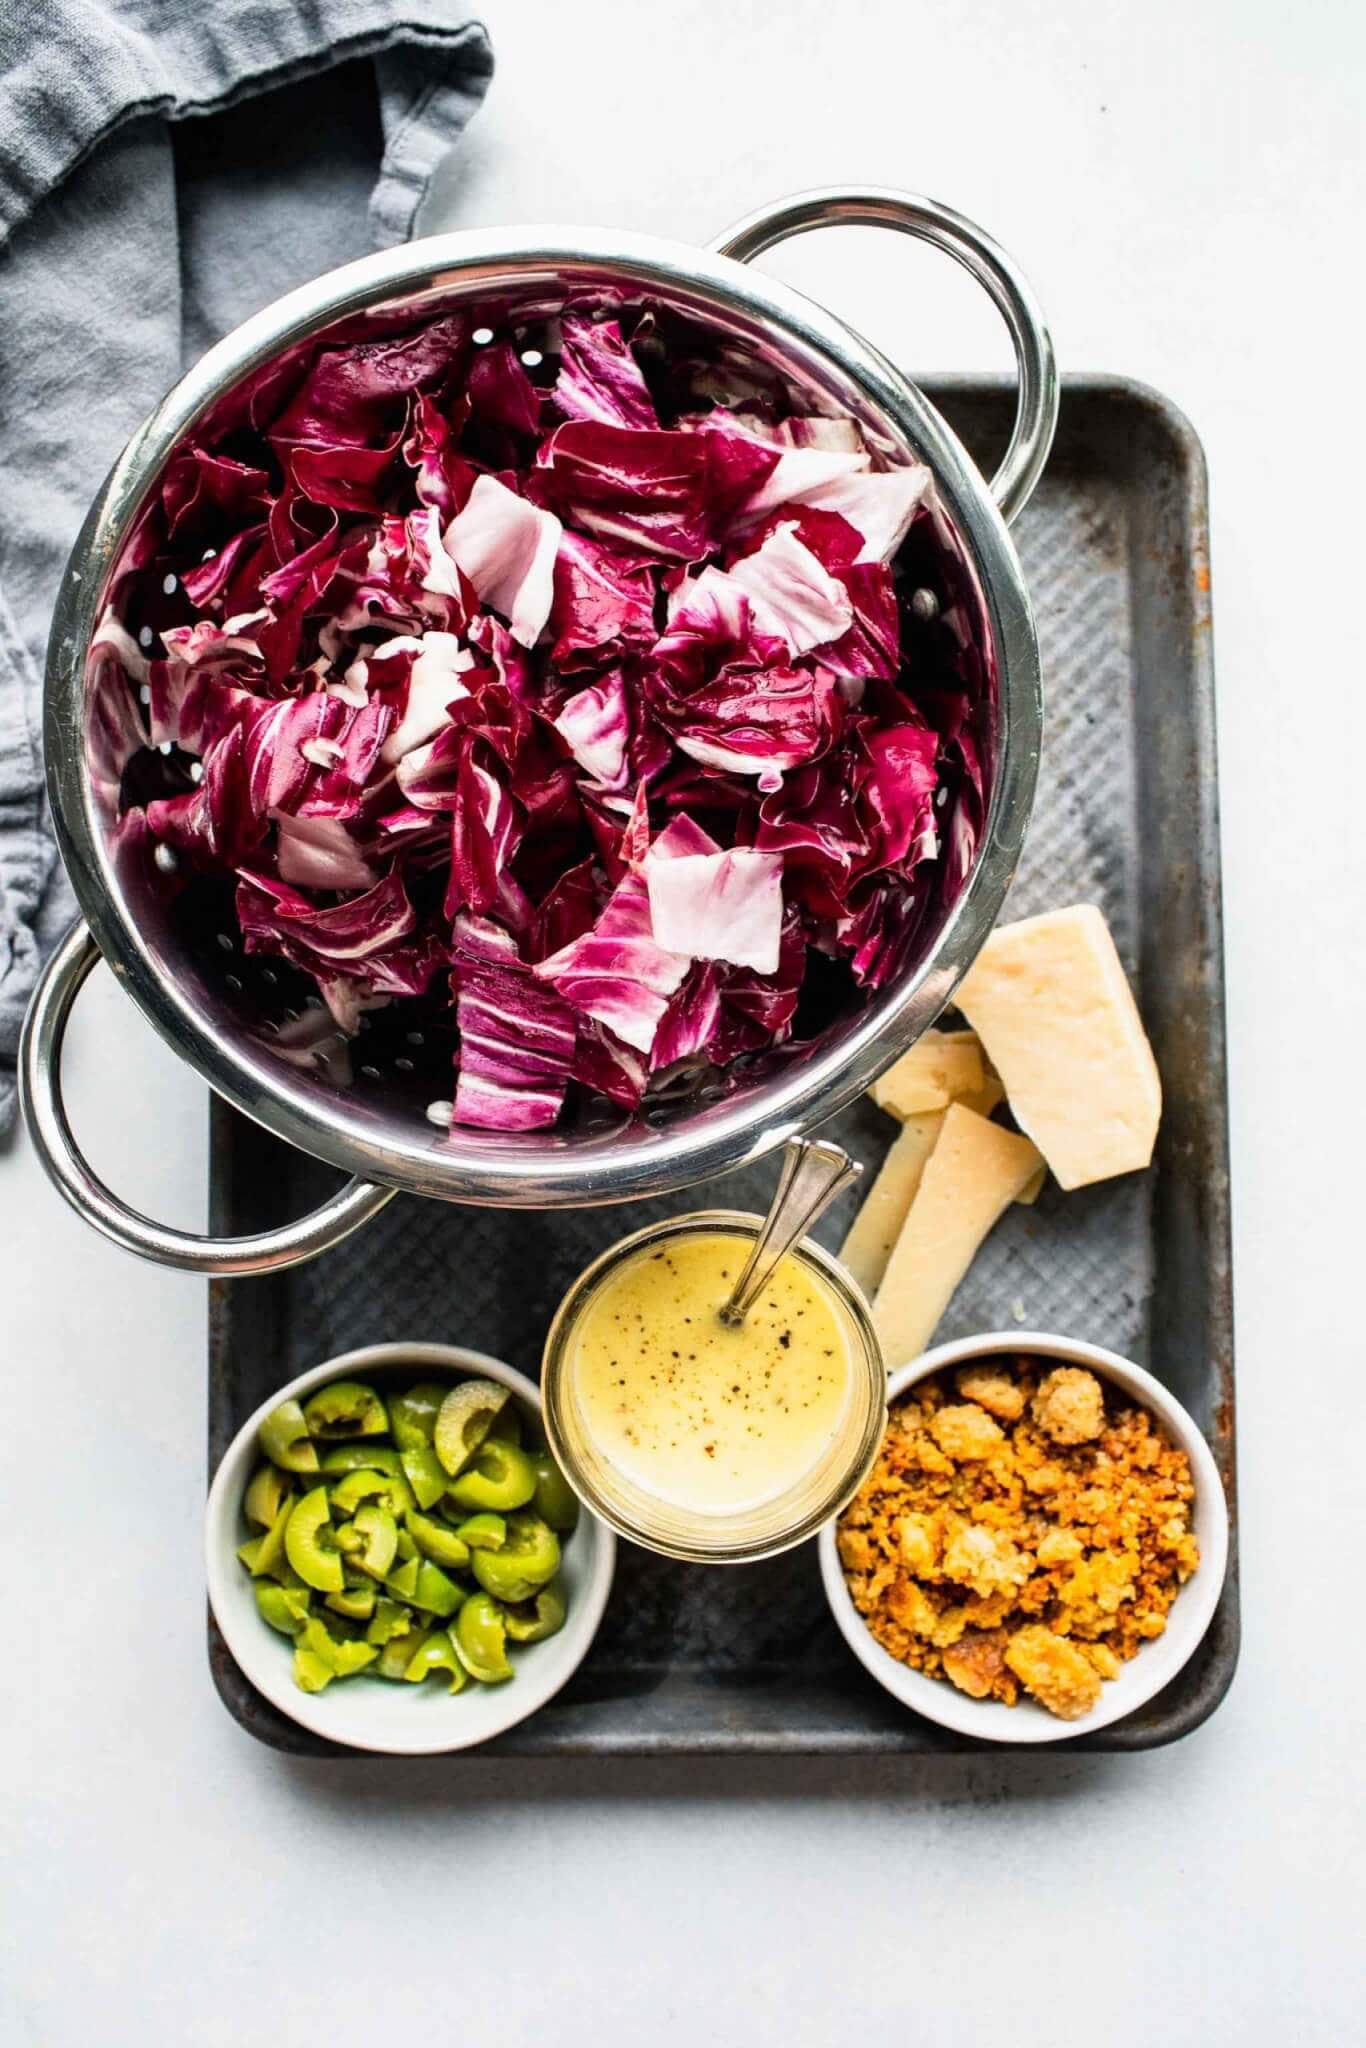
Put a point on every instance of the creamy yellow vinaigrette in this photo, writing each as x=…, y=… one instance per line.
x=709, y=1418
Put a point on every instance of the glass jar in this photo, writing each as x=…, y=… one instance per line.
x=723, y=1536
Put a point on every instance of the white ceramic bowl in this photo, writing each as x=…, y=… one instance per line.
x=397, y=1720
x=1156, y=1663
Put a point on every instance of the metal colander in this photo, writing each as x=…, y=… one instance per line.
x=255, y=1029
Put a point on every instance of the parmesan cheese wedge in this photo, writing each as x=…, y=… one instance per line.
x=868, y=1246
x=1050, y=1003
x=940, y=1068
x=976, y=1170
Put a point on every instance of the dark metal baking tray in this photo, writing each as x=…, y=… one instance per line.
x=694, y=1660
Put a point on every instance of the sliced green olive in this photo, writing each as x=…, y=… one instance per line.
x=362, y=1456
x=436, y=1654
x=401, y=1584
x=311, y=1673
x=483, y=1532
x=284, y=1438
x=498, y=1476
x=390, y=1619
x=412, y=1416
x=530, y=1557
x=357, y=1603
x=309, y=1544
x=425, y=1474
x=384, y=1488
x=281, y=1607
x=481, y=1639
x=343, y=1657
x=532, y=1620
x=268, y=1492
x=406, y=1546
x=466, y=1416
x=555, y=1500
x=440, y=1544
x=380, y=1531
x=262, y=1555
x=399, y=1652
x=346, y=1408
x=434, y=1592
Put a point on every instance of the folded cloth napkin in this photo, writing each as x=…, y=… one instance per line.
x=166, y=168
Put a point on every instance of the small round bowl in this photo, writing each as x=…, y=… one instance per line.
x=1157, y=1663
x=397, y=1720
x=695, y=1536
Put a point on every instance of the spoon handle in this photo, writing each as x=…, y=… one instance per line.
x=814, y=1171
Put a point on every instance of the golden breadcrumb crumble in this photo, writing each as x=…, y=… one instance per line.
x=1027, y=1528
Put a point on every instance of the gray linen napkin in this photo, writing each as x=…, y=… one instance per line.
x=165, y=169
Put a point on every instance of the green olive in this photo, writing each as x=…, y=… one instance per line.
x=530, y=1556
x=265, y=1496
x=440, y=1544
x=434, y=1592
x=399, y=1652
x=382, y=1487
x=436, y=1654
x=406, y=1547
x=380, y=1531
x=341, y=1656
x=555, y=1501
x=498, y=1476
x=311, y=1673
x=262, y=1555
x=481, y=1639
x=401, y=1584
x=483, y=1532
x=284, y=1438
x=425, y=1474
x=412, y=1416
x=310, y=1546
x=283, y=1609
x=531, y=1621
x=357, y=1603
x=466, y=1416
x=362, y=1456
x=346, y=1408
x=390, y=1619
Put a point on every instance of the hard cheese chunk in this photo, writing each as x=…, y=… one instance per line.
x=975, y=1171
x=1049, y=1000
x=940, y=1068
x=868, y=1246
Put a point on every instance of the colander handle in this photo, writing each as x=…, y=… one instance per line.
x=1036, y=413
x=40, y=1055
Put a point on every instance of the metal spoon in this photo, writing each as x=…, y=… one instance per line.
x=814, y=1172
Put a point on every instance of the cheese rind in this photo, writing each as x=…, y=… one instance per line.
x=975, y=1171
x=874, y=1230
x=1049, y=999
x=940, y=1068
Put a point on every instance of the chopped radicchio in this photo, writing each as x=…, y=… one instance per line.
x=586, y=693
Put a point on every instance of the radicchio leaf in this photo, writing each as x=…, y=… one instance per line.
x=599, y=377
x=507, y=547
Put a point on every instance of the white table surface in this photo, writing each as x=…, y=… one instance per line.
x=1182, y=182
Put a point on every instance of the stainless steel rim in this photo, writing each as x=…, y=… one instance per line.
x=40, y=1061
x=619, y=1167
x=928, y=220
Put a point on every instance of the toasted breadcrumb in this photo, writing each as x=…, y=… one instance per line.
x=1069, y=1406
x=976, y=1661
x=991, y=1389
x=1056, y=1673
x=1002, y=1555
x=966, y=1432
